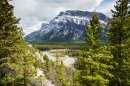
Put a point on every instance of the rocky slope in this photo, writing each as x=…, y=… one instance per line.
x=67, y=26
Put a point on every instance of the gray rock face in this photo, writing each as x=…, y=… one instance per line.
x=67, y=26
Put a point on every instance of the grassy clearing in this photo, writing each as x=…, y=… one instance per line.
x=70, y=53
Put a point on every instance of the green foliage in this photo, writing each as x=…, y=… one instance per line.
x=58, y=45
x=15, y=60
x=70, y=53
x=94, y=63
x=59, y=74
x=94, y=31
x=95, y=66
x=118, y=34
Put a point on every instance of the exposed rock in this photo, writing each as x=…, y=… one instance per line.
x=67, y=26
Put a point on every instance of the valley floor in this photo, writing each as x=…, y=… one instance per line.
x=68, y=61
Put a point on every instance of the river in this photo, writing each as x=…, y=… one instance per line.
x=68, y=61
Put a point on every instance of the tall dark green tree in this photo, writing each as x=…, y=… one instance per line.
x=118, y=34
x=15, y=58
x=94, y=61
x=94, y=31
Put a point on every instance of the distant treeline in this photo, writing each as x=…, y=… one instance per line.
x=58, y=45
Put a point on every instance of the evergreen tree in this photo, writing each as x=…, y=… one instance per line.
x=118, y=34
x=94, y=31
x=60, y=74
x=94, y=63
x=15, y=58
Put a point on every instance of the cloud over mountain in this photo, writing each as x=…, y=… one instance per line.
x=35, y=11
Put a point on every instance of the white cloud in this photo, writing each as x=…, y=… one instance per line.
x=30, y=24
x=106, y=8
x=33, y=12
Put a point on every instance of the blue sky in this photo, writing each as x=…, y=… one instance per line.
x=35, y=12
x=107, y=1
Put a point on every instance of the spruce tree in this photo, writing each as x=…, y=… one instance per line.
x=15, y=59
x=94, y=61
x=60, y=74
x=94, y=31
x=118, y=34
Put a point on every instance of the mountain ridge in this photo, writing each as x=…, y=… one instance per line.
x=67, y=26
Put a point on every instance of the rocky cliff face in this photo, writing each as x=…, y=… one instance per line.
x=67, y=26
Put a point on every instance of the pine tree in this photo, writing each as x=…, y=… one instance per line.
x=60, y=74
x=94, y=31
x=94, y=61
x=15, y=58
x=118, y=34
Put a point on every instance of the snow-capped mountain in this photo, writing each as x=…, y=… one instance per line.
x=67, y=26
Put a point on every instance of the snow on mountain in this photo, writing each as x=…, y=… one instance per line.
x=67, y=26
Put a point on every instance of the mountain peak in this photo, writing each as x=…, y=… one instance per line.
x=75, y=13
x=68, y=25
x=78, y=13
